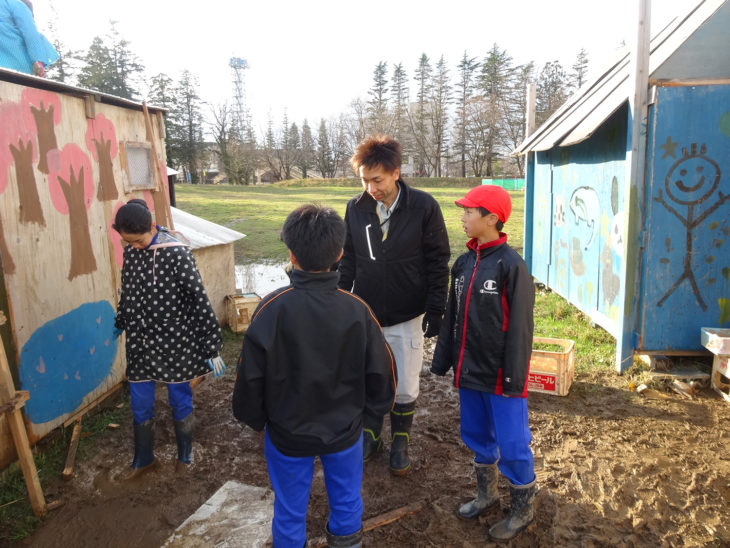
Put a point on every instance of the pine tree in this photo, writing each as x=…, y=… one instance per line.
x=551, y=91
x=377, y=106
x=465, y=90
x=306, y=157
x=580, y=70
x=399, y=94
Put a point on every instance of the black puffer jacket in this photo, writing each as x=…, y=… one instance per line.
x=313, y=361
x=487, y=331
x=408, y=273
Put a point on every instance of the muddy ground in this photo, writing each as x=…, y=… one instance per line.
x=615, y=469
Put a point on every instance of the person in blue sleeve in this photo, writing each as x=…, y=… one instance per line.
x=486, y=338
x=22, y=47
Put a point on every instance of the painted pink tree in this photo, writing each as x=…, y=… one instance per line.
x=101, y=140
x=6, y=160
x=17, y=137
x=43, y=111
x=72, y=191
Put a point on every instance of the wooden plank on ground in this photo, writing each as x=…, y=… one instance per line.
x=375, y=522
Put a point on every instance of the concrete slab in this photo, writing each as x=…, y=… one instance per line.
x=236, y=515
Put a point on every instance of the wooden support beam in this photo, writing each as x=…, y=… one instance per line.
x=8, y=395
x=86, y=408
x=90, y=106
x=161, y=177
x=18, y=401
x=68, y=470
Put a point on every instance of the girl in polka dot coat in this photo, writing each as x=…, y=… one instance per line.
x=171, y=329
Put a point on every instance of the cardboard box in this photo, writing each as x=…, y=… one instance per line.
x=240, y=310
x=551, y=372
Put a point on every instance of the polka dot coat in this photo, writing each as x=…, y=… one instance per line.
x=170, y=324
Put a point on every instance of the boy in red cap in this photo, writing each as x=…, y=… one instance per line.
x=486, y=337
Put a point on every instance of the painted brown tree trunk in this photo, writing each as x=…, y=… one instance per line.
x=46, y=135
x=82, y=255
x=30, y=205
x=107, y=186
x=7, y=259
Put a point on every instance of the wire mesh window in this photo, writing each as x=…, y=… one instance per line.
x=139, y=166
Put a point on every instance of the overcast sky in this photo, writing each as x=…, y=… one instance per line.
x=313, y=57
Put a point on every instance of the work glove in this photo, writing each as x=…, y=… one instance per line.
x=431, y=325
x=38, y=69
x=217, y=366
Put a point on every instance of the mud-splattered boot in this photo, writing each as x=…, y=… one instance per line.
x=521, y=512
x=144, y=441
x=372, y=440
x=401, y=420
x=184, y=436
x=353, y=540
x=487, y=494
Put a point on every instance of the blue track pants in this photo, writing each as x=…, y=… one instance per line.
x=291, y=478
x=496, y=429
x=142, y=394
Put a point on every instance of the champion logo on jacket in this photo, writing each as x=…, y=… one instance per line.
x=489, y=287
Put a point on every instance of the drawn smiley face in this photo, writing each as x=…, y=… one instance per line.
x=692, y=178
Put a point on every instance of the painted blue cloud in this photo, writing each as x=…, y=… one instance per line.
x=67, y=358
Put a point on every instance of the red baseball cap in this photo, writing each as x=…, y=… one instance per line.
x=493, y=198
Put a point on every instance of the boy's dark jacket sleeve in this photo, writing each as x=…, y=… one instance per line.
x=520, y=295
x=380, y=374
x=248, y=392
x=346, y=268
x=443, y=355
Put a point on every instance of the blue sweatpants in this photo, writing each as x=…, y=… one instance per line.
x=496, y=428
x=291, y=478
x=142, y=394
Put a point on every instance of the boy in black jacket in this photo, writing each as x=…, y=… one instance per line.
x=313, y=363
x=487, y=338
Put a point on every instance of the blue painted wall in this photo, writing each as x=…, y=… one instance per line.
x=66, y=359
x=686, y=264
x=577, y=224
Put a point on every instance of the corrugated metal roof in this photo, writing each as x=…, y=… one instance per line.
x=202, y=233
x=593, y=103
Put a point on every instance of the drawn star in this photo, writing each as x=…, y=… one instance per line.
x=669, y=148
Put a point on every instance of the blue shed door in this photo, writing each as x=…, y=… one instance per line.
x=686, y=263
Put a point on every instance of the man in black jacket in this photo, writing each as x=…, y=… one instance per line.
x=396, y=258
x=314, y=362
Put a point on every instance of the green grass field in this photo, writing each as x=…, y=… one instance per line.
x=259, y=212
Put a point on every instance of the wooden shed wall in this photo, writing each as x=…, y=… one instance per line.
x=62, y=175
x=685, y=283
x=217, y=268
x=577, y=222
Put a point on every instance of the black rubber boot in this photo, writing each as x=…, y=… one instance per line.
x=401, y=420
x=487, y=494
x=144, y=441
x=353, y=540
x=521, y=512
x=372, y=440
x=184, y=436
